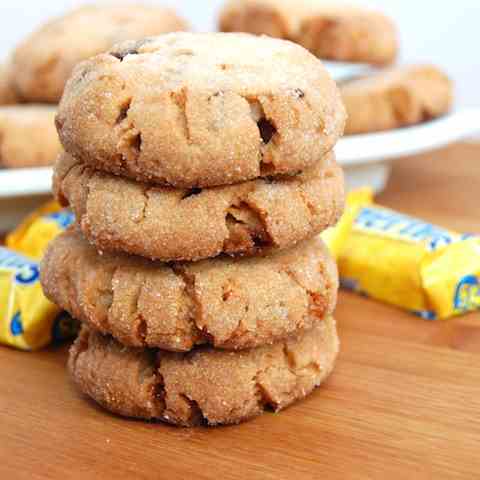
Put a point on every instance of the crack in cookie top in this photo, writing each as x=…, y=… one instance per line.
x=198, y=110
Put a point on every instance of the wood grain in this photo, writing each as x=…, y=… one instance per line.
x=403, y=403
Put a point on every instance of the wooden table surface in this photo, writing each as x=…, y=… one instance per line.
x=403, y=402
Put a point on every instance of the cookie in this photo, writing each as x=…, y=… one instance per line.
x=334, y=32
x=349, y=34
x=164, y=223
x=7, y=92
x=43, y=62
x=28, y=136
x=396, y=98
x=226, y=302
x=205, y=386
x=275, y=18
x=200, y=110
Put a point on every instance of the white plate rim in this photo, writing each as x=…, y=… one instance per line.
x=352, y=150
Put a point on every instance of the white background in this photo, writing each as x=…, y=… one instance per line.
x=444, y=32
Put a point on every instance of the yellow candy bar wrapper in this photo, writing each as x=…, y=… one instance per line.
x=36, y=231
x=335, y=237
x=404, y=261
x=27, y=319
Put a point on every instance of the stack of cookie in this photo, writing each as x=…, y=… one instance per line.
x=200, y=171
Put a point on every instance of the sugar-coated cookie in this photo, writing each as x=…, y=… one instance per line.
x=200, y=110
x=230, y=303
x=205, y=386
x=167, y=224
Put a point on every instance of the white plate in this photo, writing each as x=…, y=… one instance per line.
x=371, y=147
x=341, y=71
x=353, y=152
x=22, y=182
x=366, y=159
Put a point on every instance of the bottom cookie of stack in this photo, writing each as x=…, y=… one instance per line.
x=204, y=386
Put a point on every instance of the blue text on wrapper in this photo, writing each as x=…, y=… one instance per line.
x=467, y=293
x=26, y=271
x=397, y=225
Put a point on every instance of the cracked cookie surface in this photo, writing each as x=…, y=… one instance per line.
x=44, y=61
x=396, y=98
x=225, y=302
x=330, y=31
x=200, y=110
x=205, y=386
x=164, y=223
x=27, y=136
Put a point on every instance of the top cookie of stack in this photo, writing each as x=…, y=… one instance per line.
x=254, y=119
x=199, y=110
